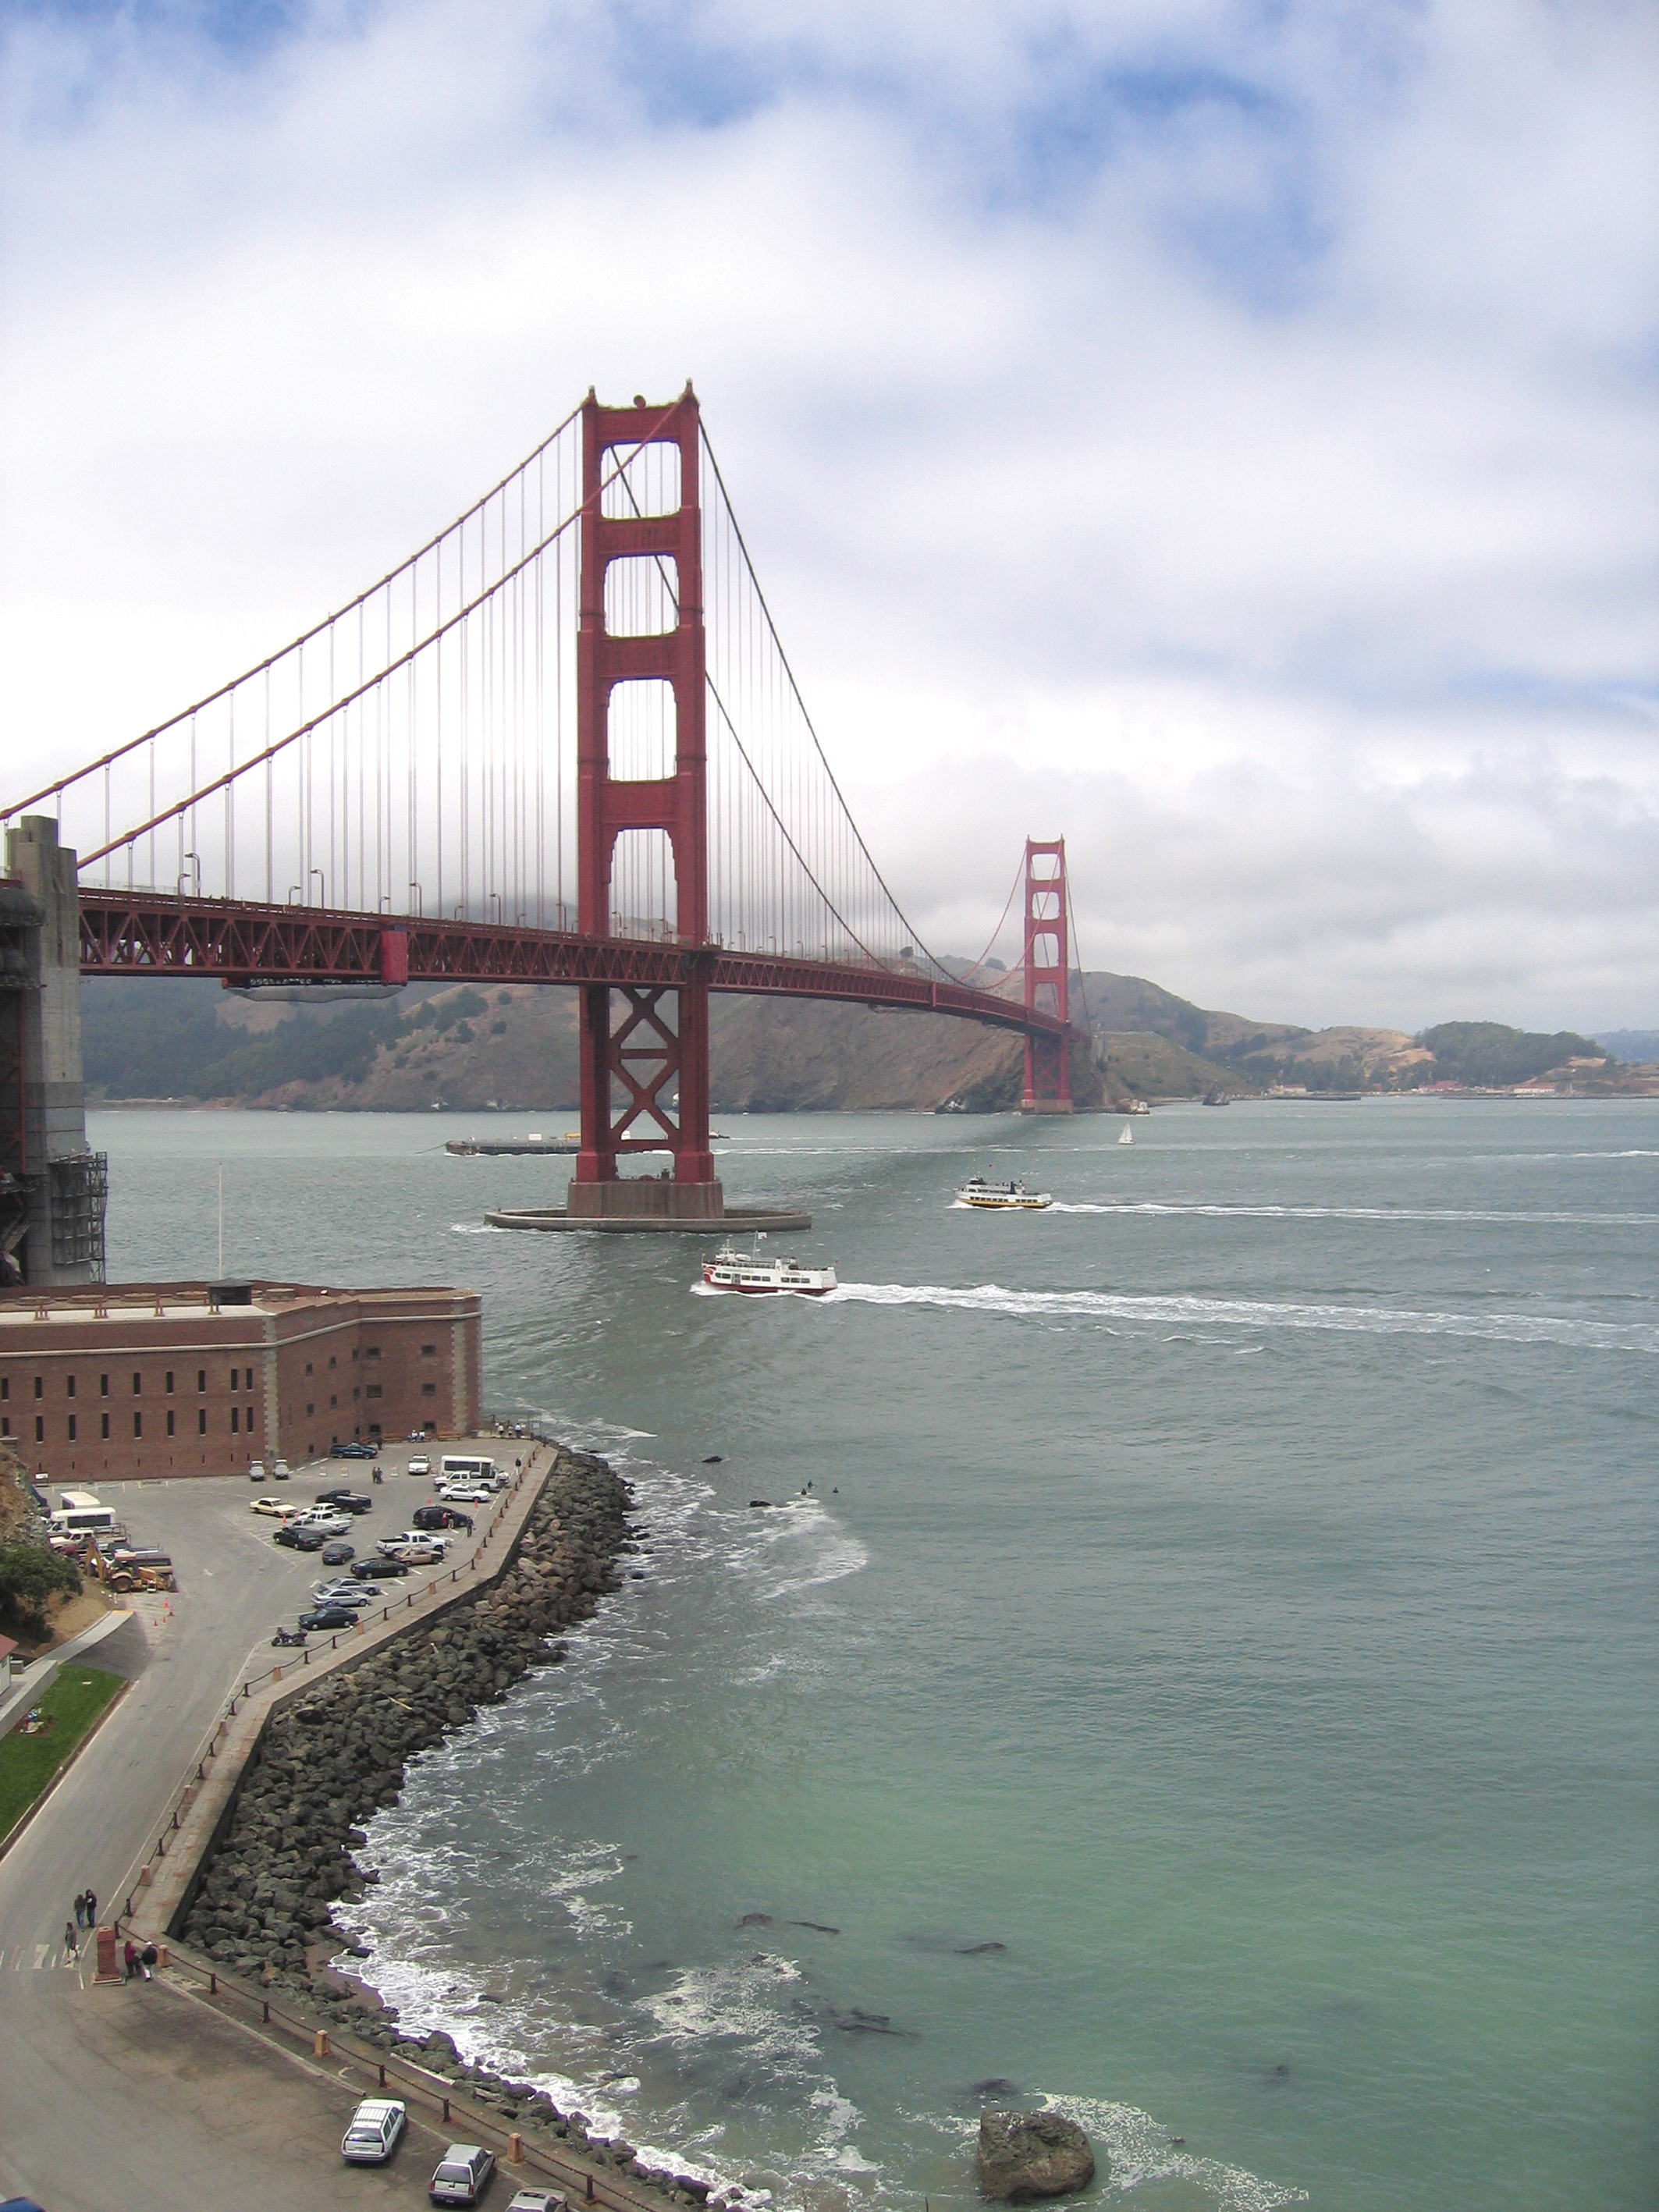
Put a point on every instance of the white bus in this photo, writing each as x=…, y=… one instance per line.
x=80, y=1514
x=467, y=1467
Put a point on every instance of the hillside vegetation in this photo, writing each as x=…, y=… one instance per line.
x=515, y=1046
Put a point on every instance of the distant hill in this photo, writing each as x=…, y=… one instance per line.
x=515, y=1046
x=1633, y=1047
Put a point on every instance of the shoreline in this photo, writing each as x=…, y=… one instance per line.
x=260, y=1905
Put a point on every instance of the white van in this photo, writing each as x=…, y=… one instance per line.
x=467, y=1467
x=80, y=1514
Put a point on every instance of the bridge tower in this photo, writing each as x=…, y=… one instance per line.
x=1048, y=967
x=647, y=1079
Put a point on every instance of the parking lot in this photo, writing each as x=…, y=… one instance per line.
x=226, y=1557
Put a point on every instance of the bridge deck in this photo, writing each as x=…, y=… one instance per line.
x=149, y=934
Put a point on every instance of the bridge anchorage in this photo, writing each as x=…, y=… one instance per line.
x=577, y=683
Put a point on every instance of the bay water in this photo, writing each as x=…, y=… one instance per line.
x=1198, y=1665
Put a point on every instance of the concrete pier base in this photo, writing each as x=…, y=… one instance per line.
x=736, y=1220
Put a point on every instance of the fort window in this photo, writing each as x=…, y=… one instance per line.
x=39, y=1429
x=40, y=1386
x=5, y=1388
x=428, y=1389
x=138, y=1424
x=375, y=1390
x=69, y=1386
x=250, y=1420
x=201, y=1422
x=71, y=1428
x=201, y=1378
x=103, y=1386
x=332, y=1361
x=334, y=1401
x=307, y=1367
x=373, y=1352
x=169, y=1385
x=169, y=1420
x=311, y=1409
x=235, y=1379
x=138, y=1384
x=5, y=1425
x=429, y=1351
x=235, y=1419
x=105, y=1428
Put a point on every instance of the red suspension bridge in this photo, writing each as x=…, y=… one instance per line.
x=562, y=743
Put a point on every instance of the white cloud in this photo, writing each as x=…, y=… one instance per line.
x=1226, y=435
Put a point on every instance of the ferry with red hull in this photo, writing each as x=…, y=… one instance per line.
x=753, y=1278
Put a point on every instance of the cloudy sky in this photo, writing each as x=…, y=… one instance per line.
x=1223, y=433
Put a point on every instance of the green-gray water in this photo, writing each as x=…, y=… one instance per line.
x=1212, y=1683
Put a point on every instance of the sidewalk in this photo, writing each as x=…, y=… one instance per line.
x=153, y=1891
x=37, y=1678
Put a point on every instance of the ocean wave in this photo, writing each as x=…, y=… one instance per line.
x=477, y=1229
x=1194, y=1311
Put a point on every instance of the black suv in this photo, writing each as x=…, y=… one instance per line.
x=348, y=1501
x=441, y=1516
x=302, y=1540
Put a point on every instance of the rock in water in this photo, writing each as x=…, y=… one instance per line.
x=1027, y=2154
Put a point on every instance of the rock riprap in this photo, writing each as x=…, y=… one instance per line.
x=1022, y=2156
x=330, y=1760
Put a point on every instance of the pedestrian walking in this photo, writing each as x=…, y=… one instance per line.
x=129, y=1958
x=92, y=1910
x=72, y=1940
x=80, y=1908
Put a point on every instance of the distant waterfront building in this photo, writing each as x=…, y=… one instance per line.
x=141, y=1379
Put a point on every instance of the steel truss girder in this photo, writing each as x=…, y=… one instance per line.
x=236, y=941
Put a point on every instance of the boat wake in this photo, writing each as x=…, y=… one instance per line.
x=1156, y=1210
x=1161, y=1312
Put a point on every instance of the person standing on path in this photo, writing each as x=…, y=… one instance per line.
x=80, y=1908
x=92, y=1908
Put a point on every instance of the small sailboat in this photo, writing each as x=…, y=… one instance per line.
x=1126, y=1137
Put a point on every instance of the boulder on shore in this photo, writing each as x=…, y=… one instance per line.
x=1027, y=2154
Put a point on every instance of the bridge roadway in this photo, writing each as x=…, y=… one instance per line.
x=139, y=2095
x=234, y=940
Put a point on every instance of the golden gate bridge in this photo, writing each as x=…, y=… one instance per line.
x=562, y=743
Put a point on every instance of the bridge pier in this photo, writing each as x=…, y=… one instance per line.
x=53, y=1188
x=1047, y=971
x=645, y=1079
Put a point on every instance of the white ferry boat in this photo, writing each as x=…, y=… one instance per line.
x=732, y=1270
x=1002, y=1197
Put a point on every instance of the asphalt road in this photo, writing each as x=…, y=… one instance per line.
x=74, y=2130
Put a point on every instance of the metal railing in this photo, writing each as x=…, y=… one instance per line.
x=196, y=1770
x=435, y=2094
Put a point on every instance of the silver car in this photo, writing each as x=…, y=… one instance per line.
x=462, y=2174
x=373, y=2136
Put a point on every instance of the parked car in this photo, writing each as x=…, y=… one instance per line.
x=465, y=1493
x=434, y=1537
x=462, y=2174
x=275, y=1509
x=336, y=1554
x=256, y=1472
x=421, y=1554
x=441, y=1516
x=298, y=1538
x=525, y=2200
x=376, y=2125
x=378, y=1571
x=327, y=1616
x=346, y=1501
x=325, y=1519
x=279, y=1471
x=419, y=1464
x=340, y=1589
x=354, y=1450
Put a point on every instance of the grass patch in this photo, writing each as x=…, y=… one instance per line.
x=28, y=1763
